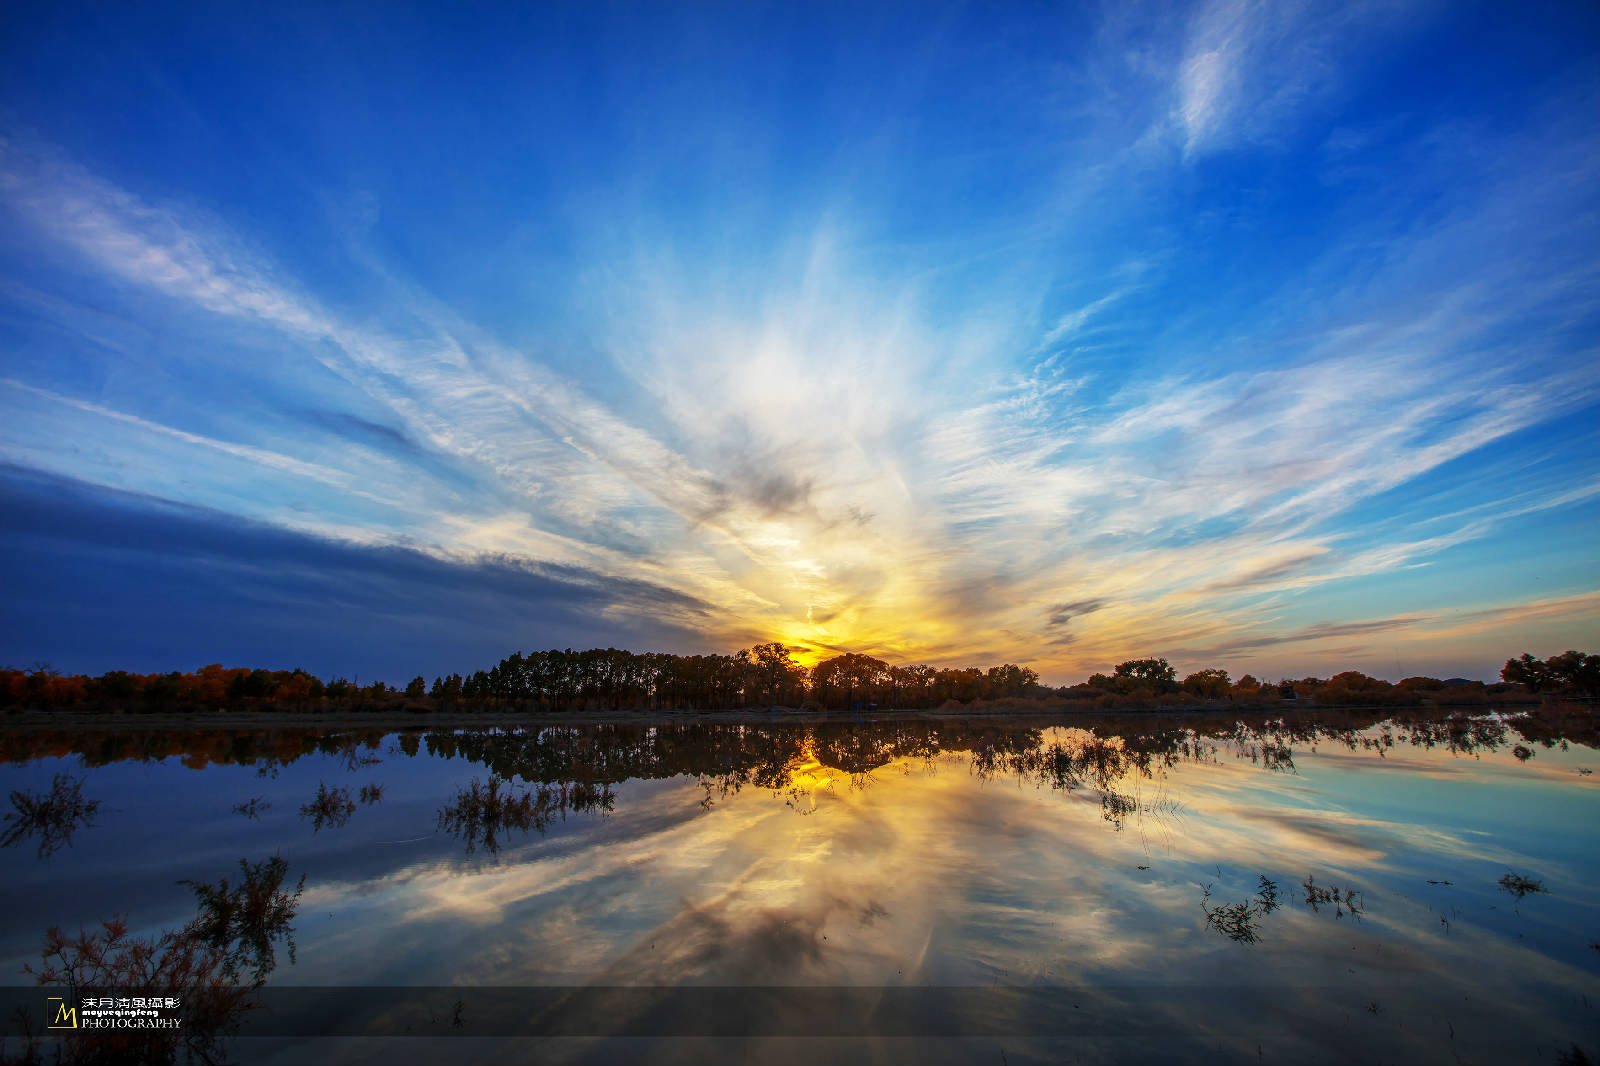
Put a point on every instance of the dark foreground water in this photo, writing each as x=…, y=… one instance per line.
x=1334, y=889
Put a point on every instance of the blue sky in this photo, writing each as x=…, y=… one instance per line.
x=1253, y=335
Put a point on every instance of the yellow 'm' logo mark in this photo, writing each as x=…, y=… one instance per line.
x=64, y=1013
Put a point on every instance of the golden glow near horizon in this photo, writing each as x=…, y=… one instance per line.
x=965, y=434
x=924, y=607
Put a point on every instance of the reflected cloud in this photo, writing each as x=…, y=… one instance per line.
x=734, y=887
x=943, y=853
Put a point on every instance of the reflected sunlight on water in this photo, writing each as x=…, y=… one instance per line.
x=1320, y=888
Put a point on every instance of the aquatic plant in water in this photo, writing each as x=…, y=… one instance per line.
x=332, y=808
x=52, y=816
x=1520, y=886
x=1342, y=901
x=1238, y=921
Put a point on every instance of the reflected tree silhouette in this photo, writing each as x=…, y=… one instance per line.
x=52, y=816
x=331, y=809
x=356, y=757
x=1109, y=748
x=481, y=813
x=212, y=967
x=1161, y=811
x=245, y=922
x=1114, y=808
x=800, y=801
x=1103, y=751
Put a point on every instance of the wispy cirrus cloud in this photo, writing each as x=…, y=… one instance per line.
x=1074, y=422
x=1247, y=67
x=816, y=420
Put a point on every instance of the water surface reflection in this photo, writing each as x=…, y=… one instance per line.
x=1355, y=866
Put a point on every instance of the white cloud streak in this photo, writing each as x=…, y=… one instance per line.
x=1248, y=65
x=842, y=462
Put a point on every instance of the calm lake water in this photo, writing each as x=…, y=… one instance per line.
x=1334, y=889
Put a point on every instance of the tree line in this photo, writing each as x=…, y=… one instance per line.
x=766, y=675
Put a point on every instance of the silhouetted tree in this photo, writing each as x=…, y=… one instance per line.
x=1207, y=684
x=1569, y=670
x=1157, y=673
